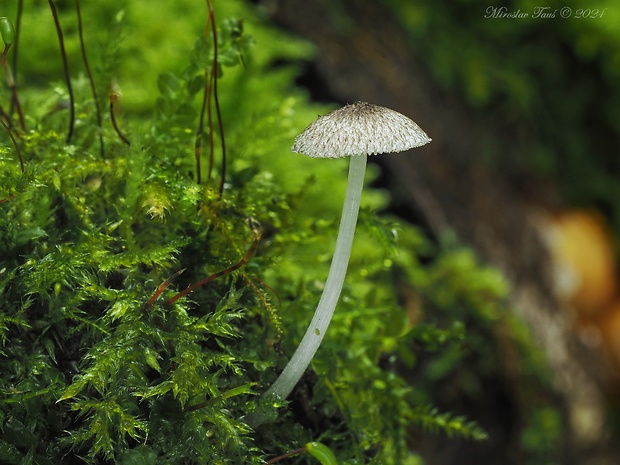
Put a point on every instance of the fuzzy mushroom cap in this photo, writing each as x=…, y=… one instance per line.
x=357, y=129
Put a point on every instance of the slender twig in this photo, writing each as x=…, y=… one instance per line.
x=205, y=108
x=66, y=70
x=210, y=90
x=287, y=455
x=209, y=95
x=5, y=115
x=19, y=153
x=113, y=98
x=215, y=94
x=90, y=78
x=15, y=106
x=10, y=80
x=246, y=258
x=197, y=147
x=163, y=286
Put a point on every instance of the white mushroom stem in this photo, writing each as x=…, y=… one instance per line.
x=333, y=286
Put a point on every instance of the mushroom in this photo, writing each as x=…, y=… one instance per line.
x=355, y=131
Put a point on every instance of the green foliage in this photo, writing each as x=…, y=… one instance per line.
x=432, y=420
x=322, y=453
x=96, y=367
x=543, y=432
x=549, y=84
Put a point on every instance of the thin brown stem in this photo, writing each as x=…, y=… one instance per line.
x=19, y=153
x=113, y=98
x=197, y=148
x=10, y=80
x=163, y=286
x=218, y=111
x=205, y=108
x=287, y=455
x=15, y=106
x=209, y=94
x=4, y=115
x=210, y=91
x=65, y=63
x=90, y=78
x=246, y=258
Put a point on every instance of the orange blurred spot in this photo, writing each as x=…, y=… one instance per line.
x=584, y=264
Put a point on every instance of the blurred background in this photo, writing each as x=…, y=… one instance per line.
x=522, y=101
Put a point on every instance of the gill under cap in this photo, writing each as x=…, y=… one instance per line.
x=358, y=129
